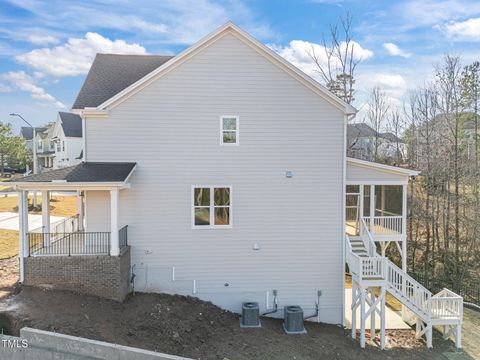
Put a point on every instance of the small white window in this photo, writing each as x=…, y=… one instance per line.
x=229, y=126
x=211, y=207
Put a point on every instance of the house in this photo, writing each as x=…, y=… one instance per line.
x=221, y=173
x=66, y=134
x=60, y=144
x=361, y=140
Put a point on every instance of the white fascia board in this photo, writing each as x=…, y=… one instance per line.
x=383, y=167
x=209, y=39
x=70, y=185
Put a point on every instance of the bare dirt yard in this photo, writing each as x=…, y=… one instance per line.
x=192, y=328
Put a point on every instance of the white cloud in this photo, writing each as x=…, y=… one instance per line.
x=166, y=21
x=468, y=30
x=415, y=13
x=75, y=57
x=42, y=39
x=394, y=50
x=297, y=52
x=19, y=80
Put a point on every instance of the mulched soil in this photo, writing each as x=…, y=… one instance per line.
x=189, y=327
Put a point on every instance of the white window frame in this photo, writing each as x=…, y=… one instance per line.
x=237, y=130
x=211, y=207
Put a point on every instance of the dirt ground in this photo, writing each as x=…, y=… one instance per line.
x=188, y=327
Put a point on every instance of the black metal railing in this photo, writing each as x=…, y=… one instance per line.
x=122, y=237
x=69, y=244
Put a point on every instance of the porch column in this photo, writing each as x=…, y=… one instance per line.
x=372, y=209
x=114, y=245
x=23, y=230
x=360, y=211
x=80, y=210
x=404, y=244
x=46, y=216
x=404, y=227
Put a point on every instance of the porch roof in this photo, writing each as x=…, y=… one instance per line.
x=84, y=175
x=367, y=172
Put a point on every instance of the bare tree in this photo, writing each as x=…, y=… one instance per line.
x=376, y=116
x=337, y=61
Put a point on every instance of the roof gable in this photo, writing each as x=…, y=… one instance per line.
x=112, y=73
x=71, y=124
x=205, y=42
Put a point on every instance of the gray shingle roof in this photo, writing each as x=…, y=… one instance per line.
x=360, y=130
x=84, y=172
x=27, y=132
x=111, y=73
x=71, y=124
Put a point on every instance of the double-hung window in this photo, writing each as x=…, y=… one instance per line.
x=229, y=130
x=211, y=206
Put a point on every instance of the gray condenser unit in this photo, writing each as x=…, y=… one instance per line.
x=250, y=315
x=293, y=320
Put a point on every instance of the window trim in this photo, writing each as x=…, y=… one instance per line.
x=211, y=207
x=237, y=130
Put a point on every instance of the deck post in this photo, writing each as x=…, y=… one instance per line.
x=372, y=210
x=354, y=309
x=382, y=318
x=46, y=217
x=114, y=246
x=362, y=316
x=372, y=314
x=458, y=335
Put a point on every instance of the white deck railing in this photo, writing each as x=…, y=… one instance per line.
x=447, y=304
x=444, y=305
x=406, y=287
x=367, y=238
x=386, y=225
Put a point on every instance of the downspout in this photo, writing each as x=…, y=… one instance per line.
x=84, y=139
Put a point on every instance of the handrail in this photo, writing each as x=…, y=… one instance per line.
x=367, y=238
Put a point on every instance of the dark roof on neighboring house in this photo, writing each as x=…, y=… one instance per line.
x=112, y=73
x=391, y=137
x=71, y=124
x=84, y=172
x=27, y=132
x=360, y=130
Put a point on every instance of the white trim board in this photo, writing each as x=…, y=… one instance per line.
x=382, y=167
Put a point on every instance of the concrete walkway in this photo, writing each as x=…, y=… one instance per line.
x=393, y=320
x=10, y=221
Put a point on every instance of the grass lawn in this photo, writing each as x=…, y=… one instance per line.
x=59, y=205
x=8, y=243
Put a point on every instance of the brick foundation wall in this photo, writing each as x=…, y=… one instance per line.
x=104, y=276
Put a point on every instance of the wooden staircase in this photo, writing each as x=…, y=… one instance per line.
x=371, y=271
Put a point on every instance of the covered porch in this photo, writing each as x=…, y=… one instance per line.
x=72, y=237
x=376, y=204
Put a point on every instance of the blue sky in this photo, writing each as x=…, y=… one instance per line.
x=46, y=47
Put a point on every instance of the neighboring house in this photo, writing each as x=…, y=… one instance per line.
x=221, y=173
x=59, y=144
x=66, y=134
x=361, y=144
x=27, y=133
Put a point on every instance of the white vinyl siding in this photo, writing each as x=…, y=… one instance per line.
x=171, y=130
